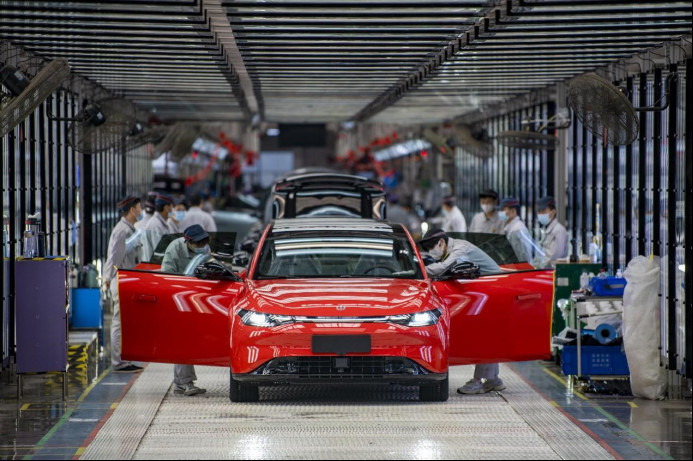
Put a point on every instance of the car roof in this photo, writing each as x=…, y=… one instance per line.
x=326, y=225
x=330, y=180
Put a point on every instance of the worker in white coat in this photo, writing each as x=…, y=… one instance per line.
x=449, y=251
x=178, y=255
x=515, y=230
x=196, y=215
x=487, y=221
x=123, y=253
x=453, y=220
x=148, y=210
x=175, y=219
x=157, y=227
x=554, y=236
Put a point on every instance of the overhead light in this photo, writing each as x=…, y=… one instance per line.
x=272, y=132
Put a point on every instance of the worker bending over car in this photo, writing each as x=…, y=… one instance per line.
x=448, y=252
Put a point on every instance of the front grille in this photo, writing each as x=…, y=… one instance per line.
x=341, y=368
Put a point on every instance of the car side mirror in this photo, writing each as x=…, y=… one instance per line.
x=463, y=270
x=214, y=270
x=241, y=259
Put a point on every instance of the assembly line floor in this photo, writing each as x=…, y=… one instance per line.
x=538, y=416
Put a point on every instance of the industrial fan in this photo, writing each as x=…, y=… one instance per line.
x=25, y=94
x=142, y=134
x=534, y=140
x=437, y=140
x=473, y=139
x=605, y=110
x=101, y=125
x=178, y=140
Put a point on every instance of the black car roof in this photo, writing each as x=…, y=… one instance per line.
x=328, y=180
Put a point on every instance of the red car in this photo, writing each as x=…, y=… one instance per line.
x=335, y=300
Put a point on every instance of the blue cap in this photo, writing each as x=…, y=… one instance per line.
x=546, y=202
x=431, y=237
x=195, y=233
x=162, y=200
x=127, y=202
x=510, y=202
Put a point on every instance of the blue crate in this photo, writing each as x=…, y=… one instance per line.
x=608, y=286
x=86, y=308
x=596, y=360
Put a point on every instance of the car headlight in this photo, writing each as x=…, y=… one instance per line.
x=259, y=319
x=417, y=319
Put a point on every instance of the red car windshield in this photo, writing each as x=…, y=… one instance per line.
x=337, y=256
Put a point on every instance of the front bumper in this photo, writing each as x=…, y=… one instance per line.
x=252, y=347
x=342, y=369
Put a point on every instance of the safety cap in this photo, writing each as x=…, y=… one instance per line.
x=489, y=193
x=195, y=233
x=510, y=202
x=546, y=202
x=163, y=200
x=127, y=202
x=431, y=237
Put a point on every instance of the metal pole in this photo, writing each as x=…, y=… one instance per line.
x=642, y=167
x=688, y=217
x=629, y=189
x=671, y=224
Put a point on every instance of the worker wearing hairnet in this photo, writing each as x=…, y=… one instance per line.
x=554, y=236
x=123, y=253
x=179, y=255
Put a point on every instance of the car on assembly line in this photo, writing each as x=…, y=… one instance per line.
x=336, y=300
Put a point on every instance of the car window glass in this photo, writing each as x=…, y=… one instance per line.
x=496, y=246
x=337, y=256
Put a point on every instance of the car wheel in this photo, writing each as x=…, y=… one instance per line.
x=239, y=392
x=438, y=392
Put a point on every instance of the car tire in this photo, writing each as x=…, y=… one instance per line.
x=239, y=392
x=438, y=392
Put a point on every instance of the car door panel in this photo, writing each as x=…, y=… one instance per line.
x=171, y=318
x=499, y=318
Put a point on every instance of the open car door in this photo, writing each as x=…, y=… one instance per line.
x=174, y=318
x=504, y=317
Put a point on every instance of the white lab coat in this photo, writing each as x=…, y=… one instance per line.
x=482, y=224
x=156, y=228
x=554, y=244
x=517, y=234
x=196, y=215
x=454, y=221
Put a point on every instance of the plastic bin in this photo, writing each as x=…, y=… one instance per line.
x=608, y=286
x=86, y=308
x=596, y=360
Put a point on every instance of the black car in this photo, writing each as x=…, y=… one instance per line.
x=327, y=194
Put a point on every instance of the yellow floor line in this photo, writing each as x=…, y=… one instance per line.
x=562, y=381
x=632, y=405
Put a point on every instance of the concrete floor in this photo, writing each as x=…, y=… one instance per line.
x=538, y=416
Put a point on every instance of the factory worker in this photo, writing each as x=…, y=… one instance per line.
x=148, y=210
x=453, y=220
x=123, y=252
x=178, y=256
x=175, y=219
x=554, y=236
x=515, y=230
x=450, y=251
x=196, y=215
x=487, y=221
x=157, y=227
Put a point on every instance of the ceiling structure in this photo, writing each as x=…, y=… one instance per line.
x=395, y=61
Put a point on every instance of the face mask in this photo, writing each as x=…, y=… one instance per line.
x=178, y=215
x=503, y=216
x=544, y=219
x=200, y=251
x=437, y=251
x=487, y=208
x=445, y=212
x=140, y=216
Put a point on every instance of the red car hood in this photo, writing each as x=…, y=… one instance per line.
x=339, y=297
